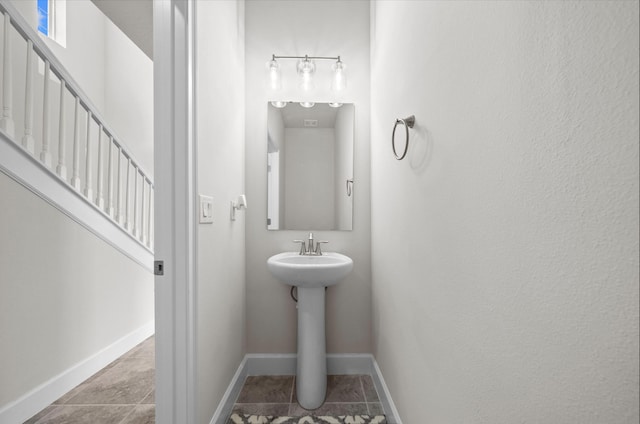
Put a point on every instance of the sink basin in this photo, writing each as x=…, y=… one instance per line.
x=310, y=271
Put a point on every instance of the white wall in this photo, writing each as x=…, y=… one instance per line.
x=128, y=90
x=323, y=28
x=308, y=178
x=65, y=294
x=505, y=246
x=220, y=322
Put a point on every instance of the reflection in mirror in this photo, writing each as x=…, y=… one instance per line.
x=310, y=167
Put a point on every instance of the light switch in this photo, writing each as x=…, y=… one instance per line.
x=206, y=209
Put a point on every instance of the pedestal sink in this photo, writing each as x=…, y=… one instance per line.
x=310, y=274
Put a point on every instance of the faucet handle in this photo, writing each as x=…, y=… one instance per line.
x=302, y=246
x=319, y=247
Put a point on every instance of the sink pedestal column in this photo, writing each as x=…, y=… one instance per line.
x=311, y=379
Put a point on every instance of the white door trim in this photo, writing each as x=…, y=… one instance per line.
x=174, y=211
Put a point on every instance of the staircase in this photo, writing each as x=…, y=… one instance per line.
x=54, y=142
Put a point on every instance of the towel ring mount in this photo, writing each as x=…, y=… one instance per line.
x=408, y=123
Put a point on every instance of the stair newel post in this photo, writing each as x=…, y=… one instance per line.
x=127, y=221
x=110, y=210
x=75, y=180
x=27, y=139
x=100, y=196
x=88, y=191
x=6, y=122
x=119, y=218
x=61, y=169
x=136, y=232
x=150, y=214
x=143, y=236
x=45, y=155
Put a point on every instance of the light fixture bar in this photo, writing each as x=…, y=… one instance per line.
x=274, y=57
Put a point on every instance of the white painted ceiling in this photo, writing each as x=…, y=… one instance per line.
x=134, y=18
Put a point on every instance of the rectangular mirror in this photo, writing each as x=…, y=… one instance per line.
x=310, y=166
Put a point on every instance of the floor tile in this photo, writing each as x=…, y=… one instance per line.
x=81, y=414
x=142, y=414
x=375, y=409
x=146, y=349
x=344, y=388
x=275, y=409
x=370, y=393
x=266, y=389
x=150, y=398
x=73, y=392
x=329, y=408
x=127, y=382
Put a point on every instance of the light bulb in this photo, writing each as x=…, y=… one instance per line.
x=275, y=81
x=339, y=81
x=335, y=104
x=307, y=104
x=306, y=68
x=278, y=104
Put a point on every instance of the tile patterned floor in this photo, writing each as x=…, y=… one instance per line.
x=276, y=395
x=121, y=393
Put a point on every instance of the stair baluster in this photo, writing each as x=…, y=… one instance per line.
x=6, y=123
x=100, y=196
x=45, y=155
x=27, y=139
x=61, y=169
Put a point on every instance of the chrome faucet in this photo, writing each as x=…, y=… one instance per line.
x=310, y=247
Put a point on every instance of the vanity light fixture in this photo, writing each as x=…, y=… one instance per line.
x=306, y=69
x=307, y=104
x=335, y=104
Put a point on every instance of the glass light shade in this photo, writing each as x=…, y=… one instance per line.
x=275, y=80
x=307, y=104
x=306, y=68
x=278, y=104
x=339, y=81
x=335, y=104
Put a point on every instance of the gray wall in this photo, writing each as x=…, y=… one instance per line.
x=296, y=28
x=65, y=294
x=505, y=246
x=220, y=313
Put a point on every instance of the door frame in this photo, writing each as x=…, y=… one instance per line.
x=174, y=217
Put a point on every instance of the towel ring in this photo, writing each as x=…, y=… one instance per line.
x=408, y=123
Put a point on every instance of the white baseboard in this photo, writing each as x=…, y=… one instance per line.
x=285, y=364
x=42, y=396
x=393, y=417
x=231, y=394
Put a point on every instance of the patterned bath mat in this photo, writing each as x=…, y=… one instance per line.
x=343, y=419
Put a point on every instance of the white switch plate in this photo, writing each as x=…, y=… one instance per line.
x=206, y=209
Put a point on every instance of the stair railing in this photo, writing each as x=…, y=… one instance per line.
x=128, y=200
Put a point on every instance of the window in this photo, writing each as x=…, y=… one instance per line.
x=52, y=20
x=43, y=16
